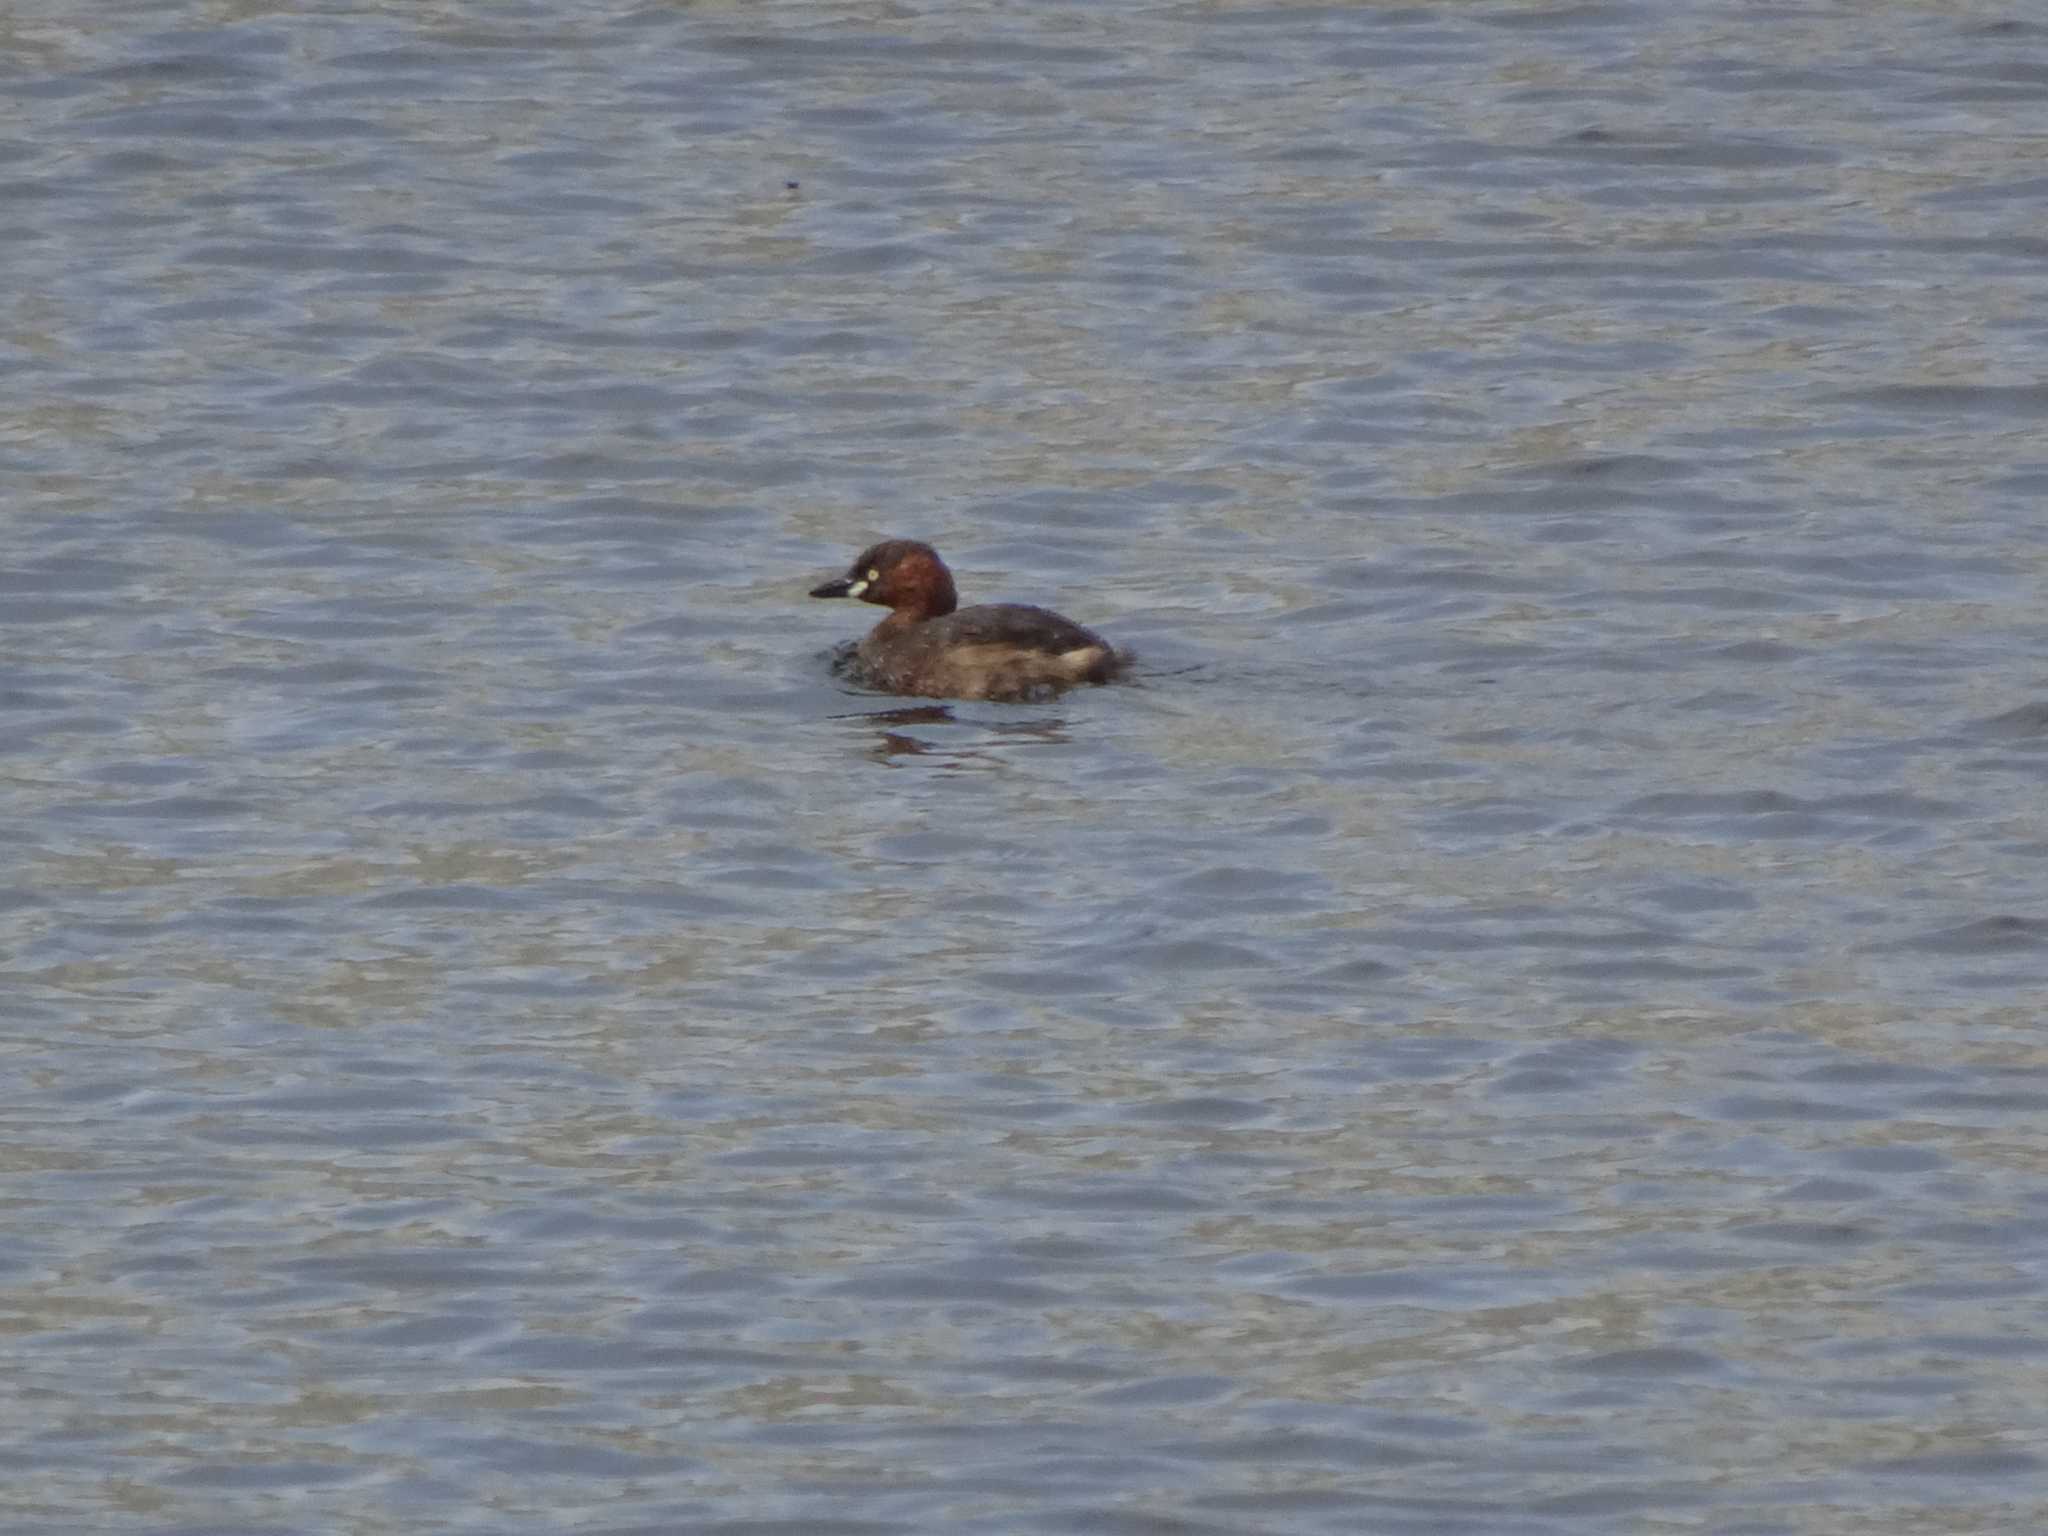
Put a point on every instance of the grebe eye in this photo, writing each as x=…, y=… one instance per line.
x=873, y=574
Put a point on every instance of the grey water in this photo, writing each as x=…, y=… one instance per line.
x=1524, y=1016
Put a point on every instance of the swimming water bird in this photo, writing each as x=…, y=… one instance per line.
x=931, y=648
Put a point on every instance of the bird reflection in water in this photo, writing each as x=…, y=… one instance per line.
x=894, y=738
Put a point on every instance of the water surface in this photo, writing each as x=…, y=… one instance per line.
x=1523, y=1018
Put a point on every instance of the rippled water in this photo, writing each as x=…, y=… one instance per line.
x=1524, y=1018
